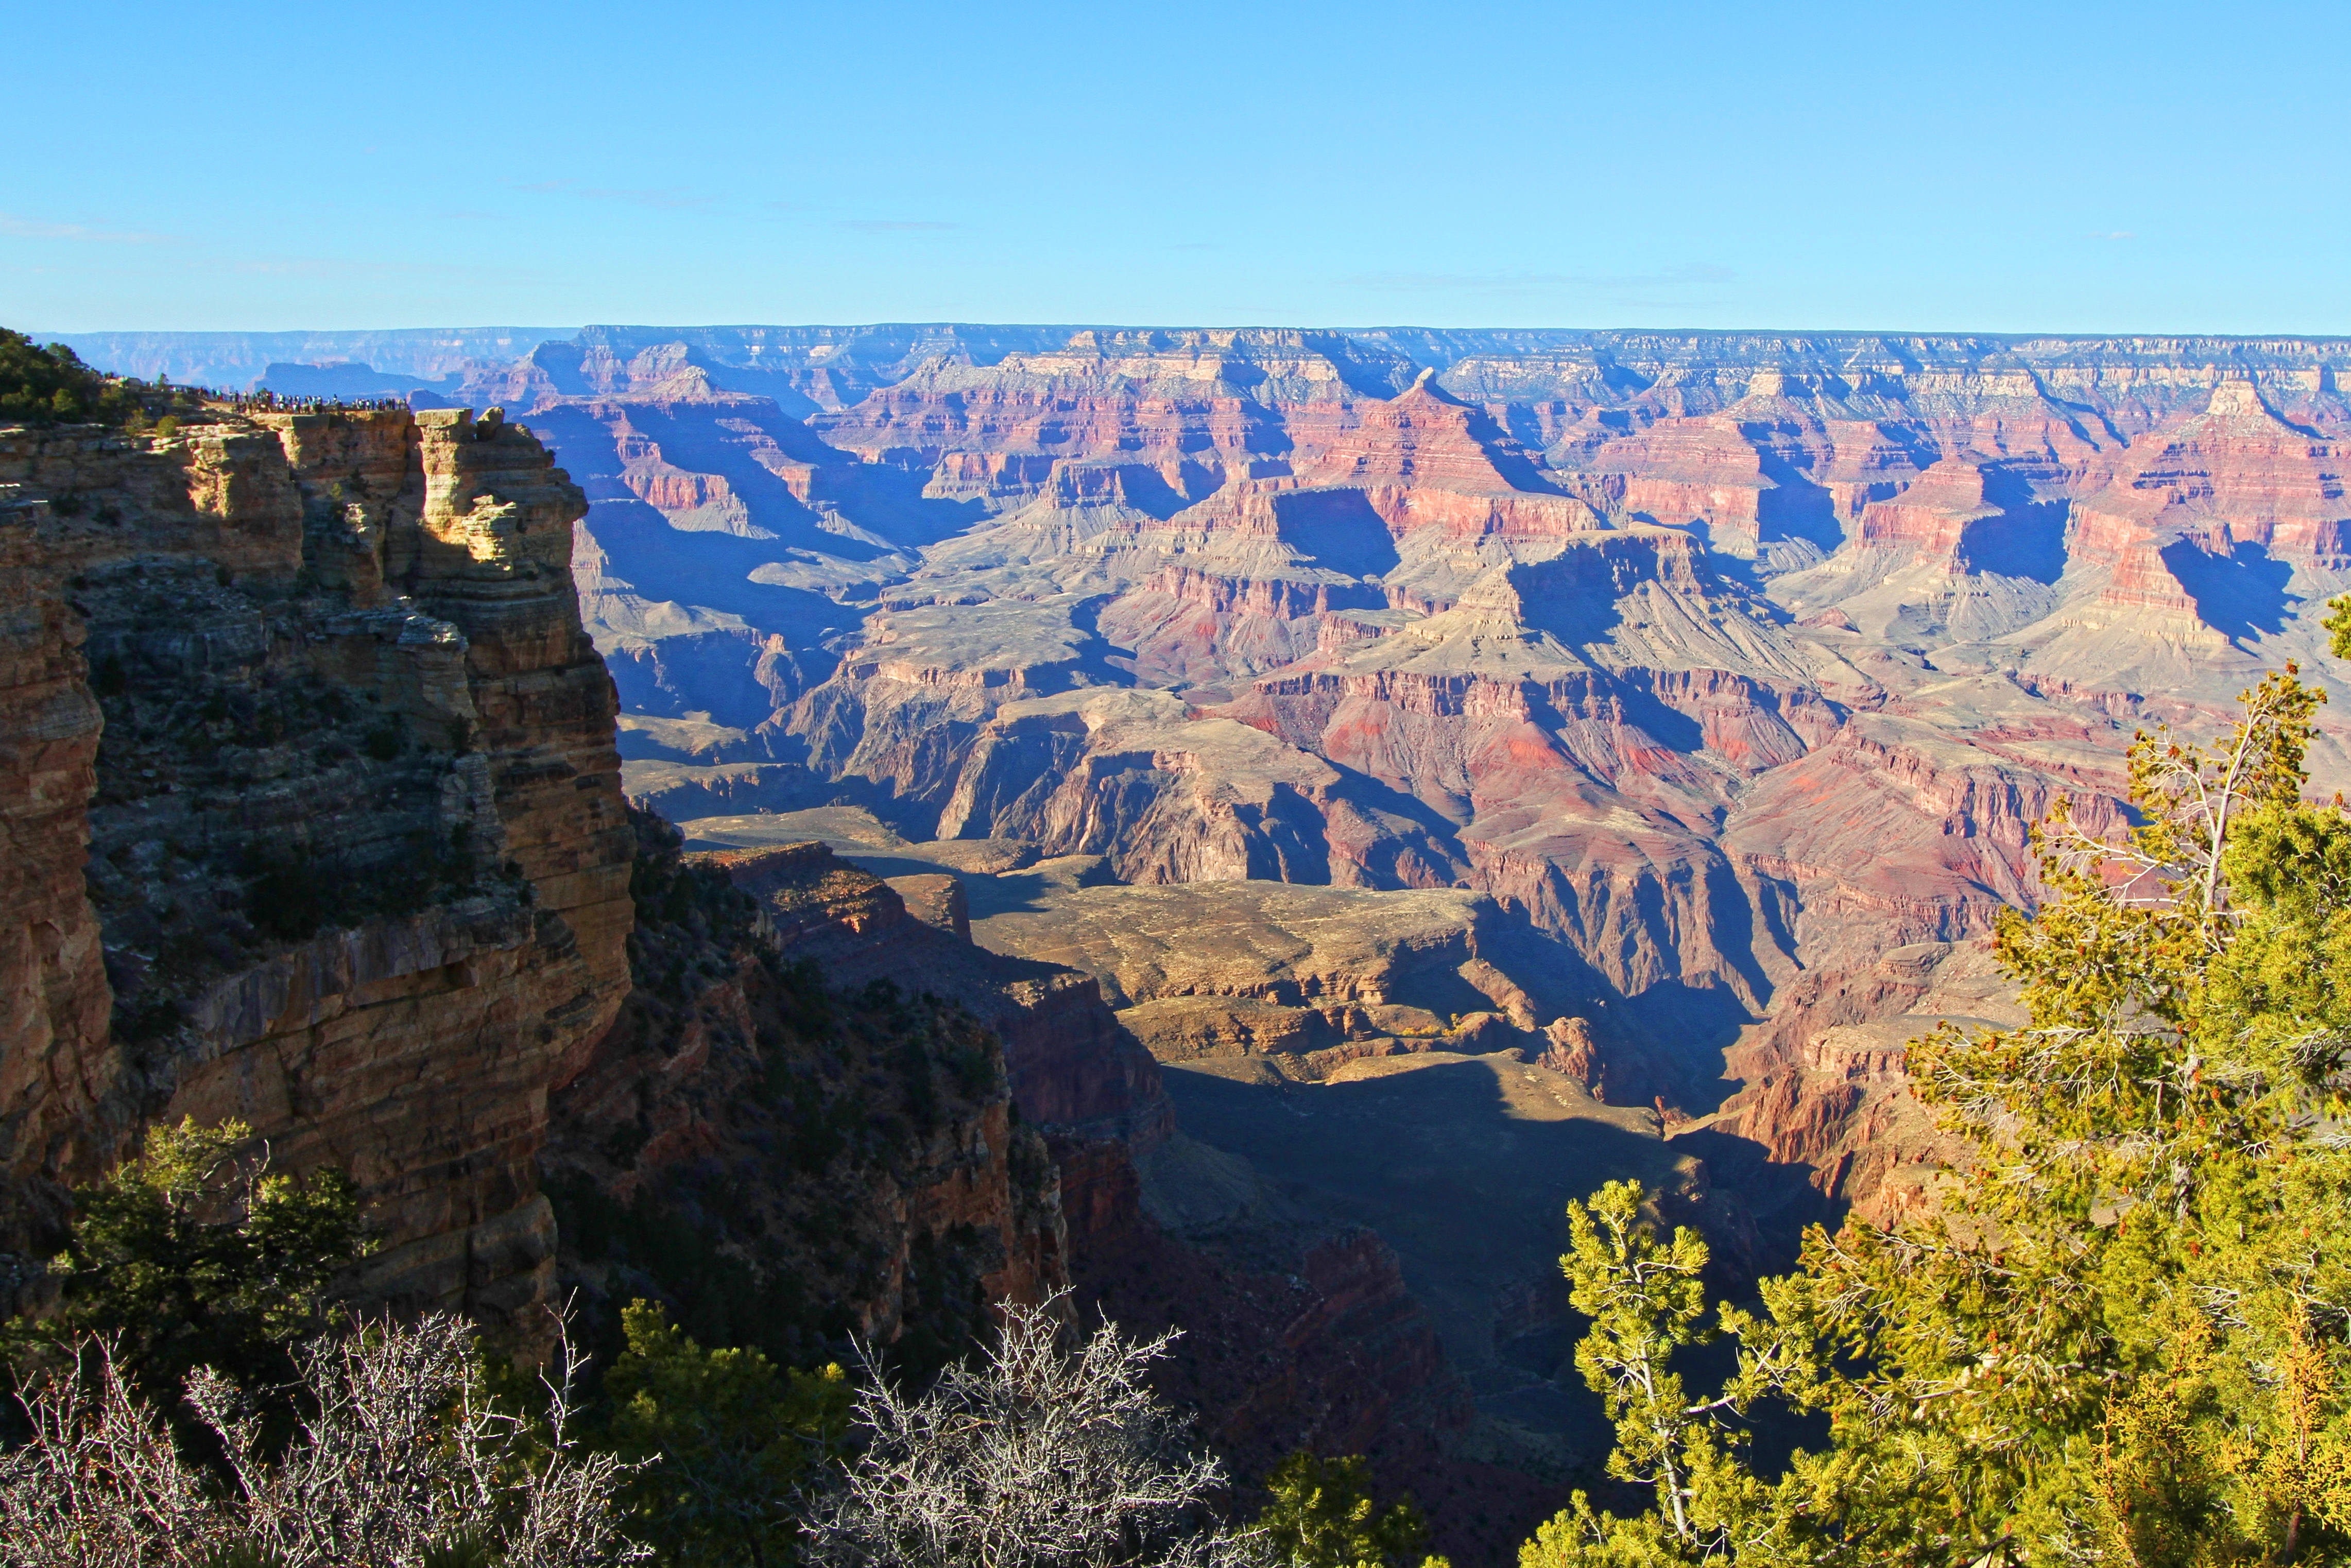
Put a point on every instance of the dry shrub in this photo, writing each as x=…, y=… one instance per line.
x=1040, y=1459
x=400, y=1454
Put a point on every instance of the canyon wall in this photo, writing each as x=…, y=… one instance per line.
x=787, y=1152
x=356, y=860
x=1724, y=662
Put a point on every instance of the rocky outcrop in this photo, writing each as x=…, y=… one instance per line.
x=1073, y=1072
x=357, y=854
x=1827, y=1100
x=785, y=1159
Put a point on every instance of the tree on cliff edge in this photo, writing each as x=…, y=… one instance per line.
x=49, y=385
x=2124, y=1337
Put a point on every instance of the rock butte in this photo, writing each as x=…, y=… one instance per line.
x=345, y=652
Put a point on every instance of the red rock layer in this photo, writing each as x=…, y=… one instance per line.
x=2236, y=475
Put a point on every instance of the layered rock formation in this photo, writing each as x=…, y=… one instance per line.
x=1659, y=715
x=356, y=855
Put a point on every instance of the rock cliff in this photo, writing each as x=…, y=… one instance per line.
x=314, y=692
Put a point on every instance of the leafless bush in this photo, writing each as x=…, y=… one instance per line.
x=400, y=1451
x=1042, y=1459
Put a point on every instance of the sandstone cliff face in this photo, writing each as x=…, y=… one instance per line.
x=357, y=857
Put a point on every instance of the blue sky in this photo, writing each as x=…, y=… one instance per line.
x=1989, y=167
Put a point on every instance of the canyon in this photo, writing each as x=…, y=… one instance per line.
x=1667, y=712
x=1323, y=799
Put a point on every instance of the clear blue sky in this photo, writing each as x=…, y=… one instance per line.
x=1991, y=166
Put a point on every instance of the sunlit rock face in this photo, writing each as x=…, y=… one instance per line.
x=318, y=760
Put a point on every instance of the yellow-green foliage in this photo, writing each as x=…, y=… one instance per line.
x=49, y=385
x=731, y=1437
x=1321, y=1515
x=2122, y=1337
x=196, y=1254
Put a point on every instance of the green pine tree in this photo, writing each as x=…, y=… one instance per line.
x=198, y=1254
x=730, y=1437
x=1321, y=1515
x=2122, y=1335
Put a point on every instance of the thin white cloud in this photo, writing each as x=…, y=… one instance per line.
x=894, y=226
x=17, y=227
x=338, y=267
x=1543, y=283
x=2113, y=234
x=671, y=198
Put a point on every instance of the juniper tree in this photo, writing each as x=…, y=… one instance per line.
x=1321, y=1515
x=725, y=1439
x=197, y=1252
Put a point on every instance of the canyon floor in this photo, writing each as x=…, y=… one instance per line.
x=1460, y=1159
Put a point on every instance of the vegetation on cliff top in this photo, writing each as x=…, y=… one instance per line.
x=52, y=386
x=2125, y=1334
